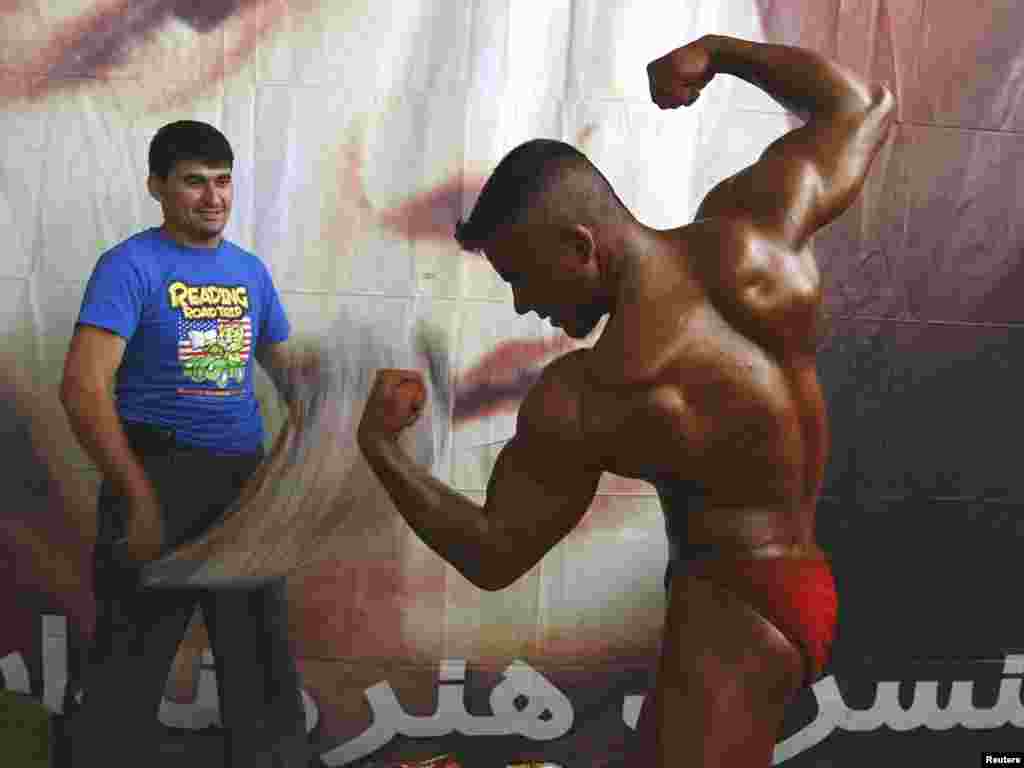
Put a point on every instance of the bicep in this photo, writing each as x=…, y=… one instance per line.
x=536, y=495
x=806, y=178
x=93, y=358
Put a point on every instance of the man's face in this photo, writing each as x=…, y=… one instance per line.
x=196, y=199
x=545, y=277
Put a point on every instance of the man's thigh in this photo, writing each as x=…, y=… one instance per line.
x=724, y=679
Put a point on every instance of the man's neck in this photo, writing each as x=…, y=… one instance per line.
x=181, y=239
x=632, y=249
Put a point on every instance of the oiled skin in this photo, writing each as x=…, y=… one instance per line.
x=704, y=374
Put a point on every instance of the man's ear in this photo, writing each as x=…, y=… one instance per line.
x=583, y=244
x=153, y=185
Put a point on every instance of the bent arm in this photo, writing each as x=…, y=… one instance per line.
x=802, y=81
x=539, y=490
x=445, y=520
x=807, y=178
x=86, y=393
x=536, y=496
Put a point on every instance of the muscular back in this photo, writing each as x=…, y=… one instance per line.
x=706, y=373
x=692, y=383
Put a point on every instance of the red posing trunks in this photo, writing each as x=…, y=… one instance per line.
x=798, y=596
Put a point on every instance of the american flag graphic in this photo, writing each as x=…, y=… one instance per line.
x=195, y=335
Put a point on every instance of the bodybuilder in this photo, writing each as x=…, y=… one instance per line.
x=703, y=382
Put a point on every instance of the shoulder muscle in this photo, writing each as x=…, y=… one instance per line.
x=769, y=290
x=552, y=407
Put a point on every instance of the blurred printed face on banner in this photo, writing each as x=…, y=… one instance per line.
x=196, y=199
x=553, y=270
x=164, y=53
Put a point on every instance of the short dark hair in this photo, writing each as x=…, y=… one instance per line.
x=188, y=140
x=521, y=179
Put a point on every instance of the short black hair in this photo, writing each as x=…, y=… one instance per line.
x=188, y=140
x=518, y=183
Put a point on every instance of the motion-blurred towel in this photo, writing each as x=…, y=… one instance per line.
x=315, y=498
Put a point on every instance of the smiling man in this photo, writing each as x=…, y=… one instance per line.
x=158, y=388
x=703, y=382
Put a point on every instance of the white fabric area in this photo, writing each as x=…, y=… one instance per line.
x=362, y=131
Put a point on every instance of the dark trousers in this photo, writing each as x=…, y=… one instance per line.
x=138, y=630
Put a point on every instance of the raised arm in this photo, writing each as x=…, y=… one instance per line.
x=811, y=175
x=541, y=486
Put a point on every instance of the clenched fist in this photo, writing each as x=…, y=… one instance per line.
x=676, y=79
x=395, y=403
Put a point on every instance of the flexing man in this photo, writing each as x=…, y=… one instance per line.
x=703, y=382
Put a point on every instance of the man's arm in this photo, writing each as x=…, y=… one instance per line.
x=285, y=362
x=811, y=175
x=541, y=486
x=276, y=360
x=87, y=394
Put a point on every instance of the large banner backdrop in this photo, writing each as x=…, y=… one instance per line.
x=362, y=131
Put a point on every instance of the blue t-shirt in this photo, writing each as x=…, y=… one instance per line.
x=192, y=318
